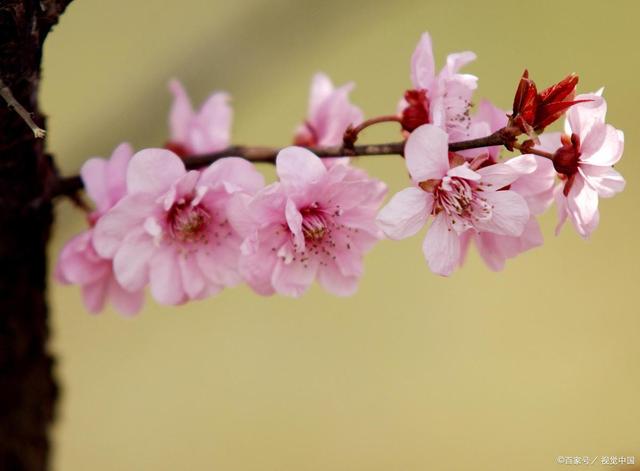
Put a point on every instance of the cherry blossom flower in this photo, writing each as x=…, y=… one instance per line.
x=536, y=188
x=459, y=196
x=105, y=183
x=584, y=157
x=172, y=228
x=442, y=99
x=315, y=223
x=207, y=130
x=330, y=114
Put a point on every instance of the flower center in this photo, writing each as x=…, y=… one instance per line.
x=188, y=223
x=314, y=223
x=461, y=201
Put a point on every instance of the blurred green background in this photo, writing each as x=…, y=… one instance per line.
x=480, y=371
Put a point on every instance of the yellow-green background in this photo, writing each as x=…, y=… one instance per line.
x=480, y=371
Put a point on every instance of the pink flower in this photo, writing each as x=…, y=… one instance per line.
x=316, y=222
x=584, y=158
x=458, y=196
x=104, y=181
x=330, y=114
x=442, y=99
x=208, y=130
x=536, y=188
x=172, y=229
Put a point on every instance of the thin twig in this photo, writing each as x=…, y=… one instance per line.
x=5, y=92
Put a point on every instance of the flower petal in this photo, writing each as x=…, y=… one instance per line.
x=441, y=247
x=605, y=180
x=181, y=113
x=509, y=213
x=298, y=167
x=294, y=221
x=422, y=63
x=503, y=174
x=427, y=153
x=406, y=213
x=294, y=278
x=240, y=172
x=131, y=261
x=610, y=148
x=332, y=280
x=153, y=171
x=165, y=279
x=111, y=229
x=125, y=302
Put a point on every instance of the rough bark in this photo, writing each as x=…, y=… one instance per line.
x=28, y=390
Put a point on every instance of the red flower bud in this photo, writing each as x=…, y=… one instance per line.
x=533, y=111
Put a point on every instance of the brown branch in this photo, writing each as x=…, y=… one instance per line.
x=69, y=186
x=28, y=389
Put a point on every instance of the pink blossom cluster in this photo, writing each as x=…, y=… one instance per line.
x=189, y=233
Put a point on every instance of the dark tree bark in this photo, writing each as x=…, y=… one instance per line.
x=28, y=390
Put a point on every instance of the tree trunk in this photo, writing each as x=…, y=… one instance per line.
x=28, y=391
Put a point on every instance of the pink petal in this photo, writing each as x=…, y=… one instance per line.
x=165, y=278
x=94, y=177
x=464, y=171
x=321, y=89
x=94, y=295
x=332, y=280
x=193, y=280
x=125, y=216
x=220, y=264
x=422, y=63
x=153, y=171
x=294, y=221
x=610, y=148
x=509, y=213
x=582, y=206
x=502, y=174
x=441, y=247
x=181, y=113
x=561, y=206
x=334, y=116
x=605, y=180
x=581, y=117
x=236, y=170
x=298, y=167
x=458, y=60
x=117, y=172
x=238, y=214
x=78, y=263
x=258, y=259
x=427, y=153
x=211, y=130
x=125, y=302
x=549, y=142
x=406, y=213
x=293, y=279
x=131, y=262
